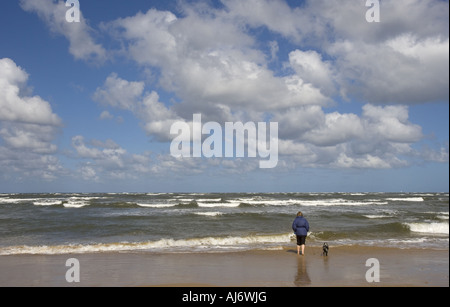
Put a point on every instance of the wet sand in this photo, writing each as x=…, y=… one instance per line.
x=345, y=266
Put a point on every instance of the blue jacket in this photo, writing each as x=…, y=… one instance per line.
x=300, y=226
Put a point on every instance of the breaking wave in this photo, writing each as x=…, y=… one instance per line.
x=208, y=243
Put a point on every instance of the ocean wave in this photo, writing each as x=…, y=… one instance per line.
x=340, y=202
x=9, y=200
x=156, y=205
x=209, y=199
x=216, y=213
x=77, y=202
x=218, y=204
x=17, y=200
x=439, y=215
x=212, y=243
x=48, y=202
x=374, y=216
x=402, y=243
x=306, y=203
x=412, y=199
x=71, y=202
x=431, y=228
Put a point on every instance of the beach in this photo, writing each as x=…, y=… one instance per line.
x=223, y=239
x=344, y=267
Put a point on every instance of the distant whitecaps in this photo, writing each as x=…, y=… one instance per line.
x=209, y=213
x=417, y=199
x=48, y=202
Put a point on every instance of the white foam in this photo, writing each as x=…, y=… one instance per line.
x=340, y=202
x=210, y=199
x=433, y=228
x=48, y=202
x=374, y=216
x=255, y=201
x=198, y=199
x=157, y=205
x=214, y=205
x=209, y=213
x=17, y=200
x=76, y=204
x=197, y=243
x=9, y=201
x=434, y=243
x=412, y=199
x=79, y=201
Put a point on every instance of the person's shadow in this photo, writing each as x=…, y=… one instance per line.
x=301, y=278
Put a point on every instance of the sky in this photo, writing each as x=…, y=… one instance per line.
x=88, y=106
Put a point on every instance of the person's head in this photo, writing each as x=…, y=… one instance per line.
x=300, y=214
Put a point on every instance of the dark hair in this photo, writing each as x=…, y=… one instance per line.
x=299, y=213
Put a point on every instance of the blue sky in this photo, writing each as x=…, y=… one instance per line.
x=87, y=107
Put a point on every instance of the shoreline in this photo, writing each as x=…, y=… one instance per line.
x=344, y=267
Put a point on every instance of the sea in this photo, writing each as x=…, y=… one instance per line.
x=77, y=223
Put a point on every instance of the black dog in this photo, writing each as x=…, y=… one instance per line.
x=325, y=249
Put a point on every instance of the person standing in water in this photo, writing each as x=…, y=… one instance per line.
x=301, y=228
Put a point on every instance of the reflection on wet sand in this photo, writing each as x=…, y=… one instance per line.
x=302, y=277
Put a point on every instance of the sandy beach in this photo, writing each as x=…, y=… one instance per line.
x=344, y=267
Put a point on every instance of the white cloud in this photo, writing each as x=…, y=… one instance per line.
x=209, y=59
x=440, y=155
x=402, y=70
x=82, y=45
x=336, y=129
x=14, y=106
x=391, y=123
x=28, y=127
x=122, y=94
x=107, y=155
x=382, y=137
x=366, y=161
x=19, y=164
x=105, y=115
x=210, y=62
x=277, y=16
x=105, y=160
x=88, y=173
x=310, y=66
x=320, y=22
x=34, y=138
x=403, y=59
x=218, y=62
